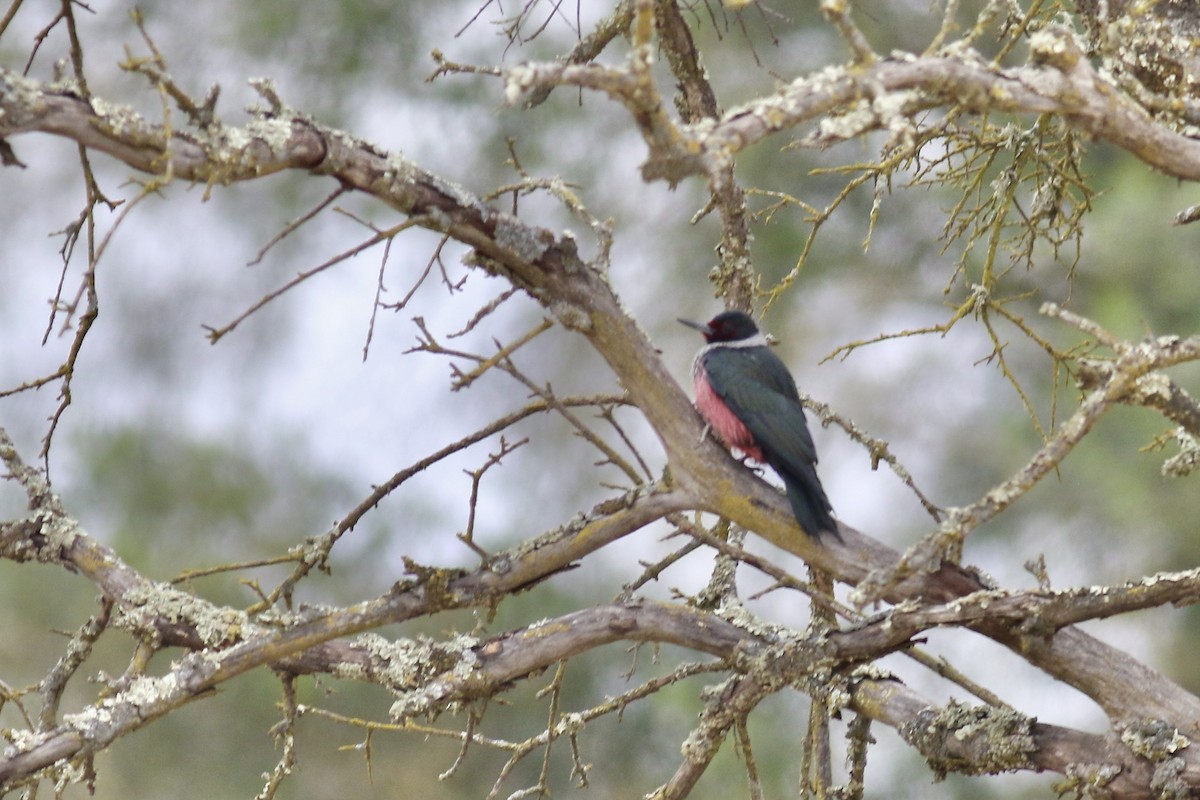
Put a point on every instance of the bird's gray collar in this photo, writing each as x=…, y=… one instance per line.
x=757, y=340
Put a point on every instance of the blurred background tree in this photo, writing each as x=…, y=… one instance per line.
x=891, y=211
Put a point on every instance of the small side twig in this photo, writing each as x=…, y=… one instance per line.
x=216, y=334
x=837, y=12
x=467, y=536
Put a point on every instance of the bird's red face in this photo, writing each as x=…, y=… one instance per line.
x=728, y=326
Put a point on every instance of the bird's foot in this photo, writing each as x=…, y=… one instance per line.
x=745, y=459
x=750, y=464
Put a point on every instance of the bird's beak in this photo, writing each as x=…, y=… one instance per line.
x=700, y=326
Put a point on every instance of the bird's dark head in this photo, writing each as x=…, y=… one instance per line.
x=728, y=326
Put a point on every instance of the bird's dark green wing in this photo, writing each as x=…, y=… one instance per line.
x=760, y=392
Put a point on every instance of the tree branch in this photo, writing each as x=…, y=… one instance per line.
x=1059, y=80
x=975, y=740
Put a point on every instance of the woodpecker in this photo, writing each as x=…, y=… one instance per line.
x=749, y=399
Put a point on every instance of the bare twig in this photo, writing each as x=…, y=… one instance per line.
x=315, y=551
x=467, y=537
x=838, y=14
x=285, y=735
x=216, y=334
x=294, y=225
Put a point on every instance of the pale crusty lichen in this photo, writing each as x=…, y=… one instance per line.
x=1056, y=46
x=121, y=120
x=60, y=531
x=700, y=744
x=1154, y=739
x=847, y=125
x=1151, y=48
x=517, y=81
x=972, y=740
x=1155, y=386
x=571, y=723
x=236, y=147
x=349, y=671
x=146, y=691
x=527, y=243
x=422, y=672
x=1160, y=742
x=698, y=747
x=147, y=604
x=570, y=316
x=17, y=94
x=1186, y=460
x=140, y=699
x=1087, y=780
x=870, y=671
x=21, y=740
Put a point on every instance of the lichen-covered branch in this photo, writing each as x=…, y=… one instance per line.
x=697, y=104
x=975, y=740
x=227, y=642
x=1058, y=80
x=1127, y=376
x=956, y=737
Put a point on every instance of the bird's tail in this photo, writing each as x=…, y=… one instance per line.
x=810, y=506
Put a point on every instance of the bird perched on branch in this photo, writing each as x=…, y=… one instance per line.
x=749, y=399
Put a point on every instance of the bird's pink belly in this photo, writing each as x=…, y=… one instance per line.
x=731, y=429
